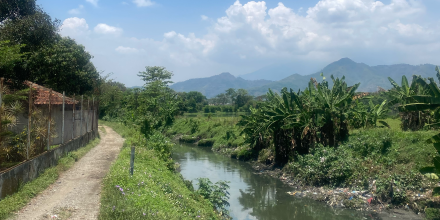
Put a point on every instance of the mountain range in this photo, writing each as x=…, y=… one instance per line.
x=370, y=77
x=214, y=85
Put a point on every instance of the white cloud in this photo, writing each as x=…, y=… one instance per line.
x=251, y=35
x=107, y=29
x=143, y=3
x=126, y=50
x=204, y=17
x=76, y=11
x=93, y=2
x=74, y=27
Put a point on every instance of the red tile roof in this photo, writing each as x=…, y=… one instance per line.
x=42, y=97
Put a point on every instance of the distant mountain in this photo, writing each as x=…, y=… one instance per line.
x=273, y=72
x=214, y=85
x=370, y=77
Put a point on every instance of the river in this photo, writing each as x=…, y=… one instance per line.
x=254, y=196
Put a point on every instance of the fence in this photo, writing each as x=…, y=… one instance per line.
x=35, y=119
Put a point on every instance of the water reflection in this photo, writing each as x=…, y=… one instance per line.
x=254, y=196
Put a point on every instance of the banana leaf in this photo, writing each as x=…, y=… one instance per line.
x=385, y=124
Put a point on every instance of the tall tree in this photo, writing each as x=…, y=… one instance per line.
x=47, y=58
x=156, y=74
x=242, y=98
x=16, y=9
x=231, y=94
x=62, y=65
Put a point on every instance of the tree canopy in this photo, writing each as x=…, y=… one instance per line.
x=35, y=51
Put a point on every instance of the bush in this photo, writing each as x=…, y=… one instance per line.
x=216, y=193
x=244, y=153
x=206, y=142
x=161, y=145
x=324, y=166
x=432, y=214
x=194, y=126
x=188, y=139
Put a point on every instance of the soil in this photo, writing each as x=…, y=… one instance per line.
x=77, y=192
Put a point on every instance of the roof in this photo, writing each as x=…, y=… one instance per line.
x=42, y=97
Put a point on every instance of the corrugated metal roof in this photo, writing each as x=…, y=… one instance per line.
x=42, y=97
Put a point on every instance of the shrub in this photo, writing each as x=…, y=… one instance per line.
x=216, y=193
x=206, y=142
x=188, y=139
x=161, y=145
x=432, y=214
x=244, y=153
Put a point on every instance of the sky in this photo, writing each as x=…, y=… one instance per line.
x=200, y=38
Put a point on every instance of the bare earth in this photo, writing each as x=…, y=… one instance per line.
x=76, y=194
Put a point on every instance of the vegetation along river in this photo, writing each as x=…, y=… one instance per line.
x=254, y=196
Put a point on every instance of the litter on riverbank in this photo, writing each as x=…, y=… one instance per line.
x=364, y=200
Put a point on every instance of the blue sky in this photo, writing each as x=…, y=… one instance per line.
x=204, y=38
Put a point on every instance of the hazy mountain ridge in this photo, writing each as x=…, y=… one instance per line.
x=211, y=86
x=370, y=78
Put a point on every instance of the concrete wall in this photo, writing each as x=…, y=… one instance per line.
x=11, y=179
x=89, y=117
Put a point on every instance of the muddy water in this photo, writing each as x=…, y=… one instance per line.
x=254, y=196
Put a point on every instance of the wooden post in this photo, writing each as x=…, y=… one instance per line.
x=48, y=123
x=132, y=160
x=81, y=119
x=93, y=114
x=73, y=120
x=88, y=115
x=93, y=110
x=62, y=129
x=29, y=123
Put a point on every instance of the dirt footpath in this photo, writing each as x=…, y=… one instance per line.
x=76, y=194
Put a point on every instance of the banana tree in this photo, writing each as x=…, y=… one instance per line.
x=430, y=101
x=299, y=120
x=403, y=94
x=376, y=111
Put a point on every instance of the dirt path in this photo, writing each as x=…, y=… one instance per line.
x=76, y=194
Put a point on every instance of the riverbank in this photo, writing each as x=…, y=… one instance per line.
x=376, y=169
x=155, y=191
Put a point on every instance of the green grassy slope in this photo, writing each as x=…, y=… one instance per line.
x=153, y=192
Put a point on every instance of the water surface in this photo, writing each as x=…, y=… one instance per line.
x=254, y=196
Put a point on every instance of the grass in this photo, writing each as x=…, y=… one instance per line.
x=15, y=202
x=155, y=191
x=221, y=132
